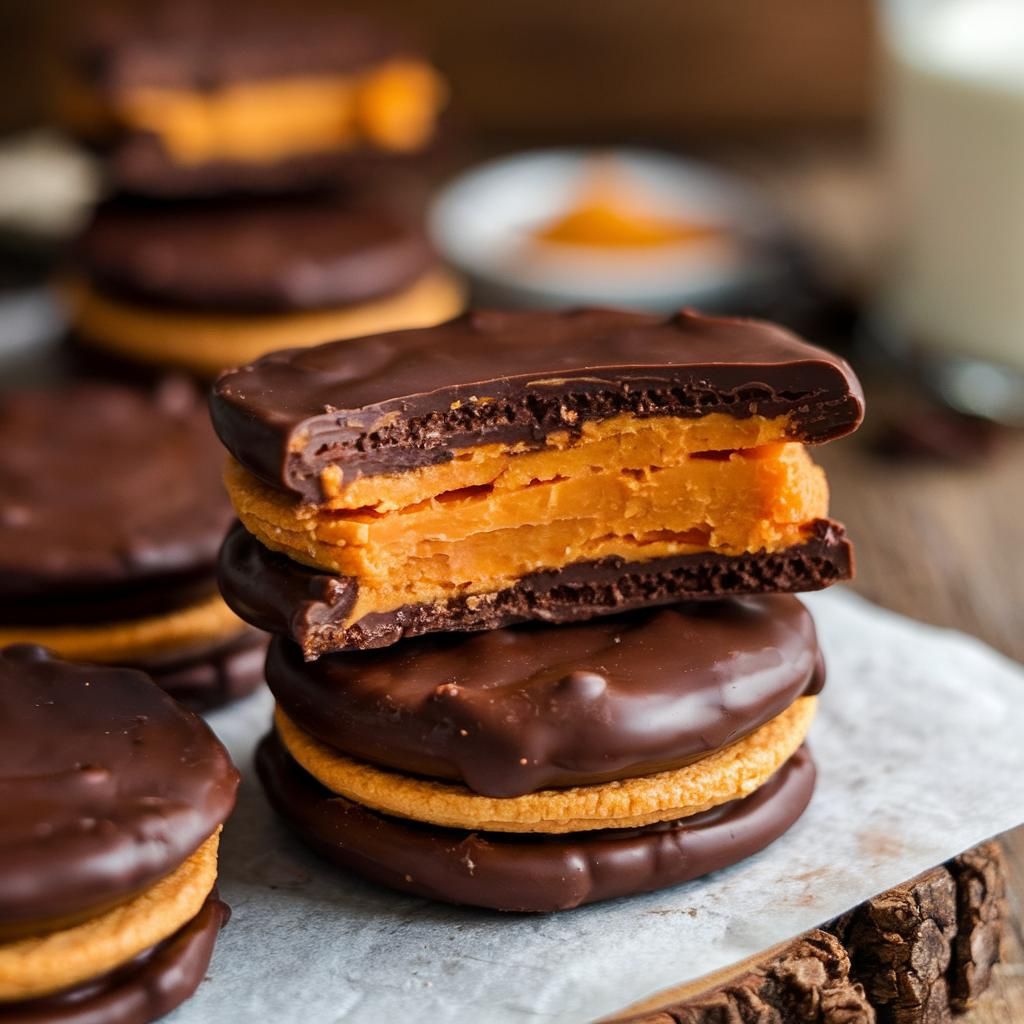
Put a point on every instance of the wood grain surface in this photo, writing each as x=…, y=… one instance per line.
x=938, y=541
x=945, y=544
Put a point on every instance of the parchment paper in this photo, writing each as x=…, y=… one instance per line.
x=920, y=748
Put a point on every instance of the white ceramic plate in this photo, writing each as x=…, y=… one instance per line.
x=483, y=224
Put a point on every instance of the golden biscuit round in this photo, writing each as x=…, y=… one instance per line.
x=208, y=621
x=43, y=964
x=207, y=342
x=729, y=774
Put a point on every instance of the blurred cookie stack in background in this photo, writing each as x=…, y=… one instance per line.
x=261, y=168
x=112, y=513
x=261, y=186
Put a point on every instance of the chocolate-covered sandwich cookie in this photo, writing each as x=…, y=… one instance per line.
x=507, y=467
x=491, y=768
x=186, y=97
x=114, y=797
x=505, y=871
x=217, y=284
x=510, y=711
x=112, y=512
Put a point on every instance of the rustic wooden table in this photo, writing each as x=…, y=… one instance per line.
x=945, y=544
x=938, y=542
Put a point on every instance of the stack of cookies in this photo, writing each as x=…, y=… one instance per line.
x=530, y=577
x=112, y=513
x=239, y=143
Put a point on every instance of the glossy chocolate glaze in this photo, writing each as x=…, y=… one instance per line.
x=107, y=786
x=104, y=487
x=143, y=990
x=530, y=873
x=239, y=256
x=512, y=711
x=392, y=402
x=273, y=593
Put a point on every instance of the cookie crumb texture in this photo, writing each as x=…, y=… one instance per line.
x=631, y=490
x=726, y=775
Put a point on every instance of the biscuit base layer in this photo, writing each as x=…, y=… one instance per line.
x=145, y=989
x=729, y=774
x=196, y=626
x=206, y=342
x=275, y=594
x=44, y=964
x=534, y=873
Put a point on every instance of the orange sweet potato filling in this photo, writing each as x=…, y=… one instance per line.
x=638, y=489
x=393, y=106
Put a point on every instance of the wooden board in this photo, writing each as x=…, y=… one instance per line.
x=942, y=542
x=920, y=953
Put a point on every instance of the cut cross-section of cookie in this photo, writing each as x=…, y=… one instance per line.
x=279, y=595
x=312, y=423
x=519, y=466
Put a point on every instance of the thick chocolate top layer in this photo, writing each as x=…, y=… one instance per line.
x=396, y=401
x=104, y=486
x=142, y=990
x=198, y=45
x=531, y=872
x=511, y=711
x=107, y=785
x=279, y=254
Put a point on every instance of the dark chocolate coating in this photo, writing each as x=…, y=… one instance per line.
x=107, y=786
x=273, y=593
x=512, y=711
x=530, y=872
x=202, y=46
x=274, y=255
x=143, y=990
x=211, y=678
x=79, y=604
x=139, y=165
x=104, y=487
x=392, y=402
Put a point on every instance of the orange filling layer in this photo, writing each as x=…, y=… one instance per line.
x=205, y=341
x=633, y=488
x=393, y=106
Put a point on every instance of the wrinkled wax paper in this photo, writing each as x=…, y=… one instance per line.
x=920, y=749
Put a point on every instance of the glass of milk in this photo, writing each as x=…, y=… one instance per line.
x=953, y=109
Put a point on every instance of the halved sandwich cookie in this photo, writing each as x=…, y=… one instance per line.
x=509, y=467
